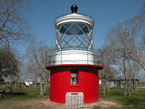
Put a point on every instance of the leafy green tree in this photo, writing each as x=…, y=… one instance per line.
x=8, y=62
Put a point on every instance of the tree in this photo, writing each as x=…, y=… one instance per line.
x=9, y=64
x=2, y=79
x=13, y=26
x=36, y=58
x=124, y=40
x=32, y=69
x=132, y=29
x=108, y=72
x=8, y=61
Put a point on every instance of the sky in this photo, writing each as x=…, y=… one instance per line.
x=107, y=13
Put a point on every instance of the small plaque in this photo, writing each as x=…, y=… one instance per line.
x=74, y=93
x=74, y=100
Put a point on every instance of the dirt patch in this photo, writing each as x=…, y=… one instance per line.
x=35, y=104
x=141, y=87
x=101, y=103
x=45, y=103
x=54, y=105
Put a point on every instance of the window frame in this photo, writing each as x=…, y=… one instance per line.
x=74, y=72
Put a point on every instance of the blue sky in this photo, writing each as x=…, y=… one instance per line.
x=107, y=13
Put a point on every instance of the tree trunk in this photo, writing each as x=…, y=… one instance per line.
x=115, y=84
x=15, y=84
x=129, y=89
x=129, y=83
x=104, y=91
x=20, y=86
x=45, y=85
x=140, y=85
x=134, y=84
x=120, y=84
x=108, y=86
x=125, y=87
x=35, y=82
x=132, y=87
x=101, y=82
x=11, y=88
x=46, y=81
x=130, y=77
x=139, y=81
x=41, y=86
x=104, y=87
x=124, y=74
x=35, y=85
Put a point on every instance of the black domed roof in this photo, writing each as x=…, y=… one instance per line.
x=74, y=8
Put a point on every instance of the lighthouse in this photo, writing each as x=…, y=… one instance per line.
x=74, y=72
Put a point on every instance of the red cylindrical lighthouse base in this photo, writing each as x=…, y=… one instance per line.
x=88, y=82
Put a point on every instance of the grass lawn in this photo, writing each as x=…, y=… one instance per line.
x=136, y=100
x=31, y=99
x=29, y=92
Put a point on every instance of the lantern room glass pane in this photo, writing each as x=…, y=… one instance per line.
x=74, y=36
x=74, y=28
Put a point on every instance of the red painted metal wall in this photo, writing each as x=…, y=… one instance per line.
x=88, y=83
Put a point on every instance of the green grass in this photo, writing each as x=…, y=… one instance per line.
x=31, y=100
x=15, y=103
x=22, y=107
x=29, y=92
x=117, y=95
x=97, y=107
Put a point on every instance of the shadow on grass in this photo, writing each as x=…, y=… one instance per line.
x=16, y=93
x=24, y=93
x=9, y=95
